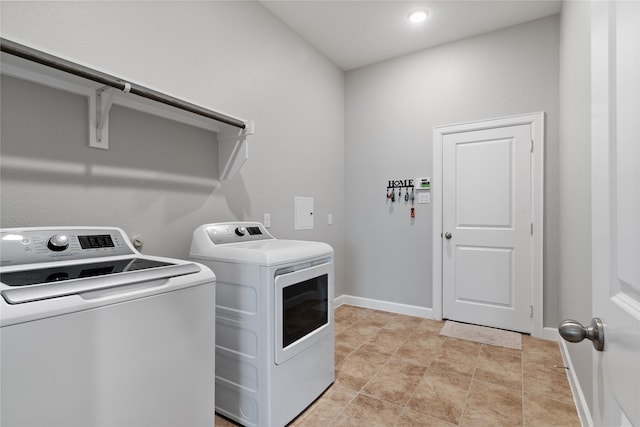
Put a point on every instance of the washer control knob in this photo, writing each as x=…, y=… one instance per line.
x=240, y=231
x=58, y=242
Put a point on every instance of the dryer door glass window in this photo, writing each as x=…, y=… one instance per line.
x=305, y=308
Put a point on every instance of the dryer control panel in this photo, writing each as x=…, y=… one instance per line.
x=235, y=232
x=46, y=244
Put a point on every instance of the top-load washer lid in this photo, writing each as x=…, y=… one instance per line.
x=56, y=274
x=50, y=262
x=251, y=243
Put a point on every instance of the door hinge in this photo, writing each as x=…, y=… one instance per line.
x=531, y=311
x=532, y=229
x=532, y=145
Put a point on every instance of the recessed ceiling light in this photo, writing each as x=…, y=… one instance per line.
x=418, y=15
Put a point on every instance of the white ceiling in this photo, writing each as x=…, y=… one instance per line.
x=357, y=33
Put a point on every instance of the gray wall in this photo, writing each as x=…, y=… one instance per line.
x=158, y=179
x=391, y=109
x=575, y=176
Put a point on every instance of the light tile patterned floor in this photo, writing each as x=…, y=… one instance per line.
x=394, y=370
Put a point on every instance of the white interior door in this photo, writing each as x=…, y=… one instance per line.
x=488, y=223
x=616, y=209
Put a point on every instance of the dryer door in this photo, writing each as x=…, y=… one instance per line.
x=303, y=312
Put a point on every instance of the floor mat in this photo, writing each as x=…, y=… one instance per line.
x=482, y=334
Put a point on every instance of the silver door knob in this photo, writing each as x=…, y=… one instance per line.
x=573, y=331
x=447, y=235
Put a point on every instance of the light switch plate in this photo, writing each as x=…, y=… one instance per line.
x=424, y=197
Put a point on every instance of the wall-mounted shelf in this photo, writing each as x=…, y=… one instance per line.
x=104, y=90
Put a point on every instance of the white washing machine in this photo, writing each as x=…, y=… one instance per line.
x=274, y=321
x=92, y=333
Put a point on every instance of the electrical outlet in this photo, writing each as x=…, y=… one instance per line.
x=267, y=220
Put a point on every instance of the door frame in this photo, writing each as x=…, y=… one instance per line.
x=537, y=123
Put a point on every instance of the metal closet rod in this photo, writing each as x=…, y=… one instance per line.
x=48, y=60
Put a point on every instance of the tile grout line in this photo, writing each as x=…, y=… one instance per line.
x=378, y=370
x=406, y=405
x=466, y=399
x=359, y=391
x=334, y=419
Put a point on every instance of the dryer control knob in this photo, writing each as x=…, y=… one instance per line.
x=58, y=242
x=240, y=231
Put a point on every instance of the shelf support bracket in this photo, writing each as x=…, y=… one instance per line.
x=233, y=150
x=104, y=101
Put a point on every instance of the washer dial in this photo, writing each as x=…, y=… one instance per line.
x=58, y=242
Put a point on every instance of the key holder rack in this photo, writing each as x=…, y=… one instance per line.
x=409, y=195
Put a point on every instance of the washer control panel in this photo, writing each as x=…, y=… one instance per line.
x=235, y=232
x=45, y=244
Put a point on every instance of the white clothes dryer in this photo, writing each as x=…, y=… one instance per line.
x=274, y=321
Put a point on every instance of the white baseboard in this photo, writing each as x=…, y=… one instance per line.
x=392, y=307
x=578, y=396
